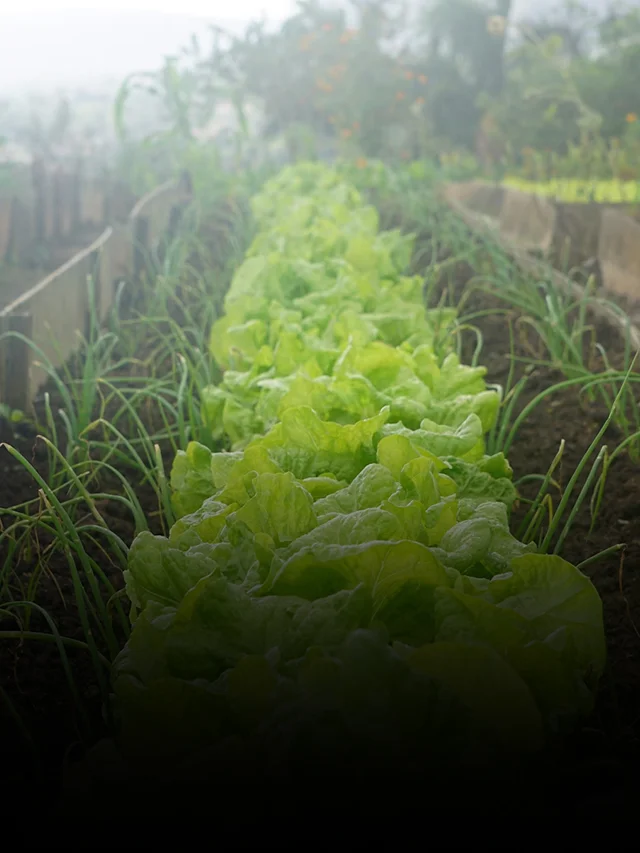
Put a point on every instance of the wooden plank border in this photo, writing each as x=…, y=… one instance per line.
x=489, y=226
x=59, y=303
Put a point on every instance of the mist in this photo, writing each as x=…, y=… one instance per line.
x=97, y=44
x=310, y=344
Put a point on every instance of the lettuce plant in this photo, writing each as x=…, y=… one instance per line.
x=320, y=314
x=344, y=577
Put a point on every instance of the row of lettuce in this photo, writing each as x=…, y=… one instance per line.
x=343, y=572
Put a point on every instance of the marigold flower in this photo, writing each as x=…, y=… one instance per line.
x=423, y=79
x=346, y=132
x=409, y=75
x=496, y=25
x=420, y=100
x=337, y=71
x=324, y=86
x=400, y=96
x=632, y=118
x=361, y=163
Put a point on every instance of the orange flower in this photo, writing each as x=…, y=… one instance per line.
x=400, y=96
x=337, y=71
x=346, y=132
x=346, y=36
x=496, y=25
x=356, y=125
x=409, y=75
x=361, y=163
x=632, y=118
x=327, y=27
x=324, y=86
x=420, y=101
x=423, y=79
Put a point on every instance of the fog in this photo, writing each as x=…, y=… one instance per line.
x=100, y=42
x=47, y=44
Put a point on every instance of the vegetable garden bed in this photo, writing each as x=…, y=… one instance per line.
x=299, y=490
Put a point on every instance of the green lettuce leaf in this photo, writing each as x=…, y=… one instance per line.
x=191, y=479
x=308, y=447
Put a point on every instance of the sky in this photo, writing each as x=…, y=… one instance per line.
x=47, y=44
x=204, y=8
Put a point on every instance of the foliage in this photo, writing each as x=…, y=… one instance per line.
x=367, y=79
x=11, y=422
x=608, y=81
x=578, y=105
x=540, y=106
x=188, y=94
x=319, y=72
x=573, y=191
x=336, y=577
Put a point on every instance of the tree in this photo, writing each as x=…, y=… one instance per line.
x=573, y=22
x=465, y=48
x=608, y=82
x=471, y=34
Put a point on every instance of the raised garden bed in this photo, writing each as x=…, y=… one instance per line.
x=595, y=766
x=580, y=240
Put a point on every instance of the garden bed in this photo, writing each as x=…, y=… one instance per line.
x=597, y=762
x=610, y=749
x=615, y=729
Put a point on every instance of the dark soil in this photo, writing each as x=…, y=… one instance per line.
x=592, y=769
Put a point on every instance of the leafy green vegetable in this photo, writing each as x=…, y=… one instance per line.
x=345, y=573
